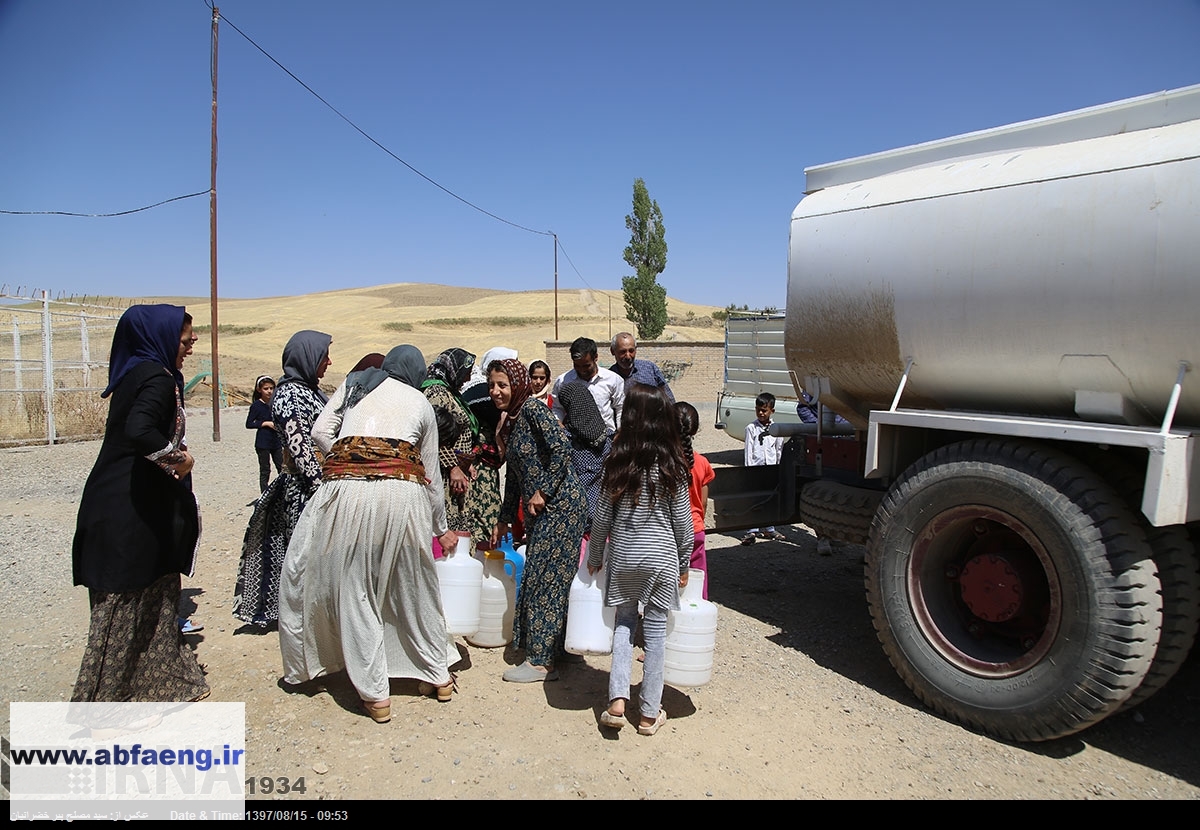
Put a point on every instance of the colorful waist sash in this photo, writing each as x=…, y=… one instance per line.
x=363, y=456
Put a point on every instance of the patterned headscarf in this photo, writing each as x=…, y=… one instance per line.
x=302, y=357
x=518, y=381
x=403, y=363
x=145, y=333
x=452, y=367
x=583, y=417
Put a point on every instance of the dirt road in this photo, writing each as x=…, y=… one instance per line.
x=802, y=704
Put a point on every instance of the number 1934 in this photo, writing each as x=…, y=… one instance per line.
x=282, y=785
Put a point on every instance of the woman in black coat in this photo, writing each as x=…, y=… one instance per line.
x=138, y=523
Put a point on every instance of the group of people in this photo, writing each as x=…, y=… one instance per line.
x=399, y=464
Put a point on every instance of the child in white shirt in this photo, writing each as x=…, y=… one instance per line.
x=762, y=449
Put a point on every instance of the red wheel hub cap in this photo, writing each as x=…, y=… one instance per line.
x=992, y=588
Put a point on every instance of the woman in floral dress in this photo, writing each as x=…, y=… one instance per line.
x=540, y=476
x=297, y=403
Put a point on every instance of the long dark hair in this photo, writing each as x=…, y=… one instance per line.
x=689, y=423
x=648, y=439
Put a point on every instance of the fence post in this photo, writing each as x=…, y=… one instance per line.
x=48, y=366
x=85, y=350
x=17, y=355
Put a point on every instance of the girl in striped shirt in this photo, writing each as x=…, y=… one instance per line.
x=642, y=535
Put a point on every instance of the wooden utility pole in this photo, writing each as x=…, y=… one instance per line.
x=555, y=285
x=212, y=240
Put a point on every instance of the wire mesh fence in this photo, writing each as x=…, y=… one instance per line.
x=53, y=367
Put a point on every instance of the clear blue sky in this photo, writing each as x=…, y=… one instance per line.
x=541, y=113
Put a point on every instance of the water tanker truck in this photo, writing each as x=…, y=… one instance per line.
x=1007, y=320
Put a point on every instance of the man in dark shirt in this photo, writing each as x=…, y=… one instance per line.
x=632, y=370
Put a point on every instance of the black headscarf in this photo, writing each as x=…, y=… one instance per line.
x=475, y=396
x=146, y=333
x=403, y=363
x=302, y=357
x=583, y=417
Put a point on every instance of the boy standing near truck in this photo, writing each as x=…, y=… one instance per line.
x=762, y=449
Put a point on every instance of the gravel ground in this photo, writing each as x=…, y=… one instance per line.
x=802, y=704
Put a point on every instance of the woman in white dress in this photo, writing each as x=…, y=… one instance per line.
x=359, y=590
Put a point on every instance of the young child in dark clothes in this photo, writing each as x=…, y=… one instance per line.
x=266, y=440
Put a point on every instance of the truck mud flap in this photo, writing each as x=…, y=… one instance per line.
x=745, y=497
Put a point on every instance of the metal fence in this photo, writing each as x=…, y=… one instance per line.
x=53, y=367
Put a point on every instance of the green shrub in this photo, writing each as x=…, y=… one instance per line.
x=233, y=331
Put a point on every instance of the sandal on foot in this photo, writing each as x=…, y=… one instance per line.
x=611, y=720
x=652, y=728
x=529, y=673
x=442, y=693
x=379, y=714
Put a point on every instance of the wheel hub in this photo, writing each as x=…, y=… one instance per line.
x=984, y=591
x=991, y=588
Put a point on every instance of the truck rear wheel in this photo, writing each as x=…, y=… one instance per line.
x=839, y=511
x=1012, y=589
x=1178, y=576
x=1175, y=559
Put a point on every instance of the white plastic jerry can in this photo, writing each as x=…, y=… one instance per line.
x=590, y=624
x=691, y=636
x=497, y=602
x=460, y=582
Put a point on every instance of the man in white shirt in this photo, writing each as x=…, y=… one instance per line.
x=607, y=387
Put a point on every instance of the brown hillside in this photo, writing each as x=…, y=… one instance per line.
x=430, y=317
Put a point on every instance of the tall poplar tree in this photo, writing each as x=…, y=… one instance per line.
x=645, y=299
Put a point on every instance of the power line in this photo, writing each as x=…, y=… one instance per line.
x=581, y=279
x=96, y=215
x=371, y=139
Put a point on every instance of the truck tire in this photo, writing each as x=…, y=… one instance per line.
x=1178, y=575
x=839, y=511
x=1175, y=559
x=1012, y=589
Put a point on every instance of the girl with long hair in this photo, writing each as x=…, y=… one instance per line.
x=642, y=536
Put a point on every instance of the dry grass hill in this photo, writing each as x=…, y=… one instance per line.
x=251, y=333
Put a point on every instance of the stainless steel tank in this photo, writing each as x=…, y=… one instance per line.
x=1020, y=281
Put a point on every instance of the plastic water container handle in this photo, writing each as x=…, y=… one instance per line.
x=510, y=568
